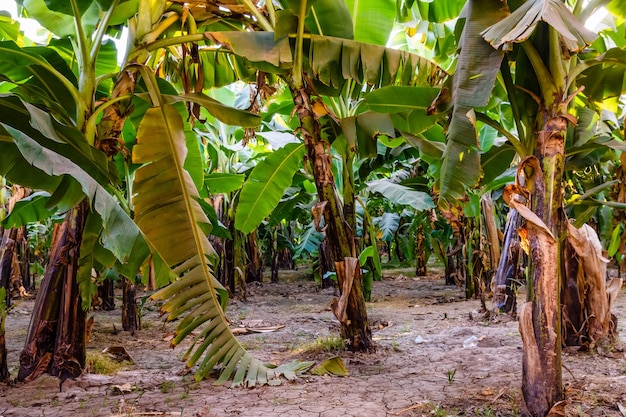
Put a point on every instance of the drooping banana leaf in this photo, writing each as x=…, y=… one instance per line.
x=309, y=243
x=224, y=113
x=197, y=297
x=332, y=60
x=400, y=194
x=266, y=184
x=520, y=24
x=64, y=140
x=477, y=67
x=28, y=210
x=24, y=161
x=388, y=224
x=42, y=77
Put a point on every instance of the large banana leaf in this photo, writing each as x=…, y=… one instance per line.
x=166, y=201
x=400, y=194
x=428, y=10
x=26, y=162
x=477, y=67
x=520, y=24
x=372, y=20
x=266, y=184
x=604, y=77
x=42, y=77
x=56, y=15
x=28, y=210
x=332, y=60
x=49, y=133
x=388, y=224
x=309, y=242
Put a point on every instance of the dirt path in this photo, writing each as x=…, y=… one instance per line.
x=438, y=376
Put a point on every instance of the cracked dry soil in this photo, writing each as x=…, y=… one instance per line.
x=436, y=377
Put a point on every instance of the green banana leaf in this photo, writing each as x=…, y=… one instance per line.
x=410, y=11
x=604, y=77
x=309, y=242
x=396, y=98
x=399, y=194
x=29, y=210
x=224, y=182
x=388, y=225
x=42, y=76
x=332, y=60
x=266, y=185
x=57, y=16
x=24, y=161
x=372, y=20
x=91, y=233
x=9, y=28
x=197, y=297
x=477, y=67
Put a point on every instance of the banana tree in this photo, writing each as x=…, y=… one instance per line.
x=56, y=137
x=48, y=135
x=545, y=40
x=274, y=54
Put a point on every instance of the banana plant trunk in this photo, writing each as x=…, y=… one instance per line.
x=354, y=324
x=254, y=269
x=540, y=319
x=56, y=341
x=420, y=252
x=131, y=322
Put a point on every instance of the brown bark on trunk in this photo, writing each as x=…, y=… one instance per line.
x=254, y=270
x=56, y=339
x=540, y=319
x=492, y=231
x=420, y=252
x=274, y=254
x=4, y=366
x=355, y=327
x=130, y=316
x=7, y=252
x=539, y=326
x=106, y=291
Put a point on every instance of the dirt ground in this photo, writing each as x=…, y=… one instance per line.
x=421, y=367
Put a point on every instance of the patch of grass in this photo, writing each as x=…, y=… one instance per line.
x=396, y=346
x=485, y=412
x=451, y=374
x=166, y=386
x=324, y=344
x=99, y=363
x=439, y=411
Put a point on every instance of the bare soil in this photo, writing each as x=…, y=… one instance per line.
x=438, y=376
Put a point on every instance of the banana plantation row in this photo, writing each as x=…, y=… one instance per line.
x=227, y=136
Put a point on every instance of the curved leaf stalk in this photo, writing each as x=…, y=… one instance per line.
x=517, y=144
x=86, y=70
x=544, y=77
x=263, y=23
x=296, y=73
